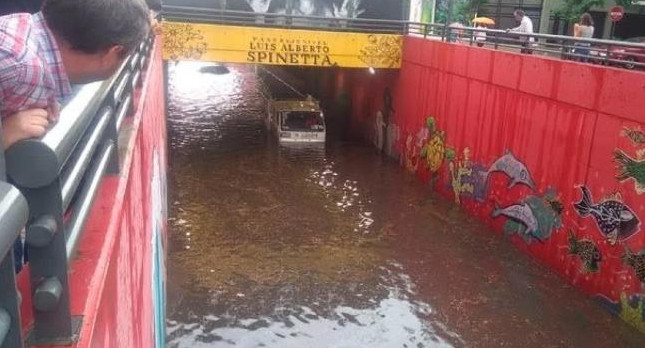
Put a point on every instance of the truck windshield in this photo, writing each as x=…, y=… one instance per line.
x=303, y=121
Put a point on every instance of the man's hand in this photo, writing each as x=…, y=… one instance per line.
x=24, y=124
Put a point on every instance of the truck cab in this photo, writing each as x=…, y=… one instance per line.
x=296, y=121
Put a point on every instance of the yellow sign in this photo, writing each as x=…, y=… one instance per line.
x=254, y=45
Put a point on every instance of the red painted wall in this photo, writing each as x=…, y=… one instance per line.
x=562, y=120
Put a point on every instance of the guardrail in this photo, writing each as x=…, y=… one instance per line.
x=13, y=217
x=59, y=176
x=607, y=52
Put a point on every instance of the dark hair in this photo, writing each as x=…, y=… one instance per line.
x=91, y=26
x=586, y=19
x=519, y=13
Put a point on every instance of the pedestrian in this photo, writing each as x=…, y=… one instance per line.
x=584, y=29
x=525, y=27
x=67, y=42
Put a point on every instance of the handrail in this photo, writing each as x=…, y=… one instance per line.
x=565, y=47
x=88, y=192
x=13, y=217
x=59, y=174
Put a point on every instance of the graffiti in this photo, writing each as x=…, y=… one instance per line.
x=514, y=169
x=637, y=263
x=391, y=139
x=633, y=312
x=183, y=41
x=466, y=178
x=434, y=150
x=379, y=125
x=615, y=220
x=587, y=251
x=534, y=218
x=631, y=169
x=636, y=135
x=413, y=146
x=386, y=132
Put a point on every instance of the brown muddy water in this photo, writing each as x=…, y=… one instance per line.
x=337, y=247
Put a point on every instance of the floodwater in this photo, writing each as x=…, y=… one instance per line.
x=337, y=247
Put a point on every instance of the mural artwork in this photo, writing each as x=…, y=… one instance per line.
x=412, y=151
x=631, y=169
x=636, y=135
x=466, y=178
x=633, y=311
x=535, y=218
x=587, y=251
x=615, y=220
x=383, y=9
x=637, y=263
x=434, y=150
x=514, y=169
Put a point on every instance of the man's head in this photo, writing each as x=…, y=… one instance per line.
x=94, y=36
x=518, y=14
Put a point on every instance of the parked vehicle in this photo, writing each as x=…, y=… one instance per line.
x=630, y=55
x=295, y=121
x=627, y=57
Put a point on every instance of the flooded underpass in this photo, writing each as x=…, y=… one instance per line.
x=336, y=246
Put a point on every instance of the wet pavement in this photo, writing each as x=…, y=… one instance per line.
x=337, y=247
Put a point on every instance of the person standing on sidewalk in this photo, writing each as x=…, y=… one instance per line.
x=525, y=27
x=584, y=30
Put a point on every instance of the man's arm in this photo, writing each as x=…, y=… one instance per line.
x=22, y=125
x=23, y=86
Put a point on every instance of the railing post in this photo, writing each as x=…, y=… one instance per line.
x=46, y=242
x=10, y=332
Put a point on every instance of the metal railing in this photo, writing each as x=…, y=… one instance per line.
x=607, y=52
x=59, y=176
x=13, y=217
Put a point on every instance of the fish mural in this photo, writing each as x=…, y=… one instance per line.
x=522, y=214
x=587, y=251
x=637, y=263
x=631, y=169
x=535, y=218
x=615, y=220
x=514, y=169
x=467, y=178
x=636, y=135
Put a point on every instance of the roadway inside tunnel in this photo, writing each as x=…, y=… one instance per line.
x=336, y=246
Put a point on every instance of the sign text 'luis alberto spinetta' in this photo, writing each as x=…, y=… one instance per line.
x=289, y=51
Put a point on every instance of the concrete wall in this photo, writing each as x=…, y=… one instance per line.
x=513, y=139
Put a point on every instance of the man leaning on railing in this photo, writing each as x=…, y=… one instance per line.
x=67, y=42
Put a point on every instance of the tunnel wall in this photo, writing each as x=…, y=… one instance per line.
x=513, y=139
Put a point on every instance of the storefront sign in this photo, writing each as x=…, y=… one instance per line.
x=231, y=44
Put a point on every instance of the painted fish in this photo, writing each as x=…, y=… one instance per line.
x=516, y=170
x=587, y=251
x=631, y=168
x=635, y=135
x=521, y=213
x=615, y=220
x=637, y=263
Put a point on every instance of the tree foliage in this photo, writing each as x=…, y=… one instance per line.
x=571, y=10
x=463, y=11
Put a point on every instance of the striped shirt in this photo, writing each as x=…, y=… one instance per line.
x=32, y=74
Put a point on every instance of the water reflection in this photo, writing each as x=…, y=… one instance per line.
x=273, y=246
x=334, y=247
